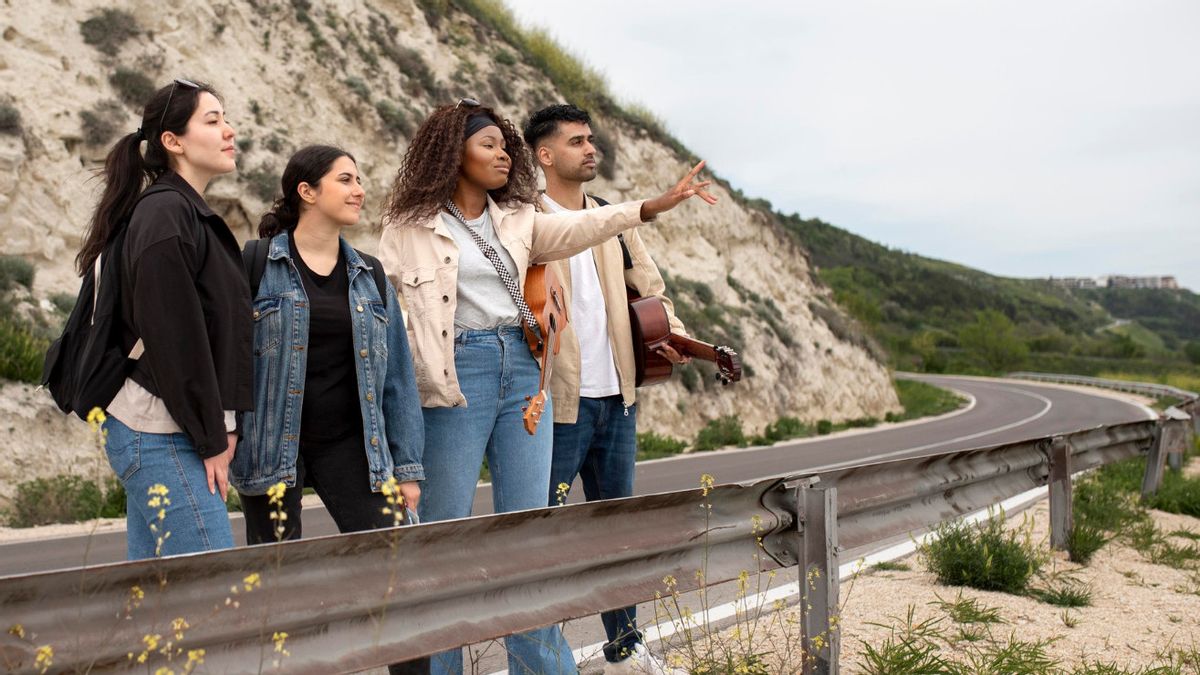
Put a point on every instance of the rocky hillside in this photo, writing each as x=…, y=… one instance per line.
x=361, y=75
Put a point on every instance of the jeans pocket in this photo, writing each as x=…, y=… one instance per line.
x=124, y=450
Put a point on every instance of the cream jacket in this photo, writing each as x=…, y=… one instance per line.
x=610, y=266
x=422, y=263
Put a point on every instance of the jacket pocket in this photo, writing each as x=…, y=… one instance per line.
x=268, y=331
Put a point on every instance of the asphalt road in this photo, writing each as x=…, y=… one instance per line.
x=1004, y=410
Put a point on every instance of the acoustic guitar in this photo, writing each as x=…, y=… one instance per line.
x=651, y=329
x=546, y=299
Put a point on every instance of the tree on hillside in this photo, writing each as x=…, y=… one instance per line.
x=992, y=339
x=1192, y=351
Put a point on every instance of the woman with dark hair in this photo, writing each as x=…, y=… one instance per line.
x=461, y=230
x=335, y=402
x=185, y=319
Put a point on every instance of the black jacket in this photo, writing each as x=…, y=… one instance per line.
x=184, y=293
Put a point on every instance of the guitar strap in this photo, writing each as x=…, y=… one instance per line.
x=625, y=256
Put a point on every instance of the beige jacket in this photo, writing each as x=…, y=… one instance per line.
x=422, y=263
x=610, y=266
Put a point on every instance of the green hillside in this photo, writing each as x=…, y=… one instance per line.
x=938, y=316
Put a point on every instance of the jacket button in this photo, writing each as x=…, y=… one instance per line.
x=378, y=485
x=374, y=440
x=256, y=313
x=415, y=280
x=359, y=308
x=362, y=353
x=444, y=333
x=370, y=396
x=445, y=371
x=446, y=259
x=445, y=298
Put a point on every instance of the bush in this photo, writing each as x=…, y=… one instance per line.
x=132, y=86
x=395, y=120
x=1084, y=541
x=10, y=120
x=15, y=271
x=262, y=182
x=21, y=352
x=505, y=58
x=62, y=499
x=1177, y=494
x=783, y=429
x=360, y=88
x=824, y=427
x=109, y=29
x=651, y=445
x=985, y=556
x=63, y=302
x=721, y=432
x=102, y=122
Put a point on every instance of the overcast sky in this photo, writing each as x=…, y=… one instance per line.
x=1023, y=138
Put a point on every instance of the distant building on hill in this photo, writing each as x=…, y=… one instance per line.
x=1117, y=281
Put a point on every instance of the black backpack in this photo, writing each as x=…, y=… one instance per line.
x=254, y=258
x=86, y=366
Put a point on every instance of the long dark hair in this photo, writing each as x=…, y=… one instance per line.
x=430, y=170
x=308, y=165
x=127, y=171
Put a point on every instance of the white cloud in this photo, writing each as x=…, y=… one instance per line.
x=1023, y=138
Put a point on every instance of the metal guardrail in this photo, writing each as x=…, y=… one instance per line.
x=351, y=602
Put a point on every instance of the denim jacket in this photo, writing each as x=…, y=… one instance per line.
x=393, y=429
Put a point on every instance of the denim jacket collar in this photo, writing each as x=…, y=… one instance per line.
x=279, y=249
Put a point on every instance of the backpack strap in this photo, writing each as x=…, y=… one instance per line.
x=254, y=259
x=625, y=256
x=378, y=274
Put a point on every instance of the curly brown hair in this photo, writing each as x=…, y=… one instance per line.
x=430, y=171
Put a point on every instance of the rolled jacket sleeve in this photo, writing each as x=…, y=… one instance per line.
x=404, y=425
x=169, y=318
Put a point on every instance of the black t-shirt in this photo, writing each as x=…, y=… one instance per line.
x=331, y=411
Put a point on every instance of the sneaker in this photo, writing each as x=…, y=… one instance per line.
x=640, y=662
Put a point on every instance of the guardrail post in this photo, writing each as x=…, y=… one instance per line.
x=1154, y=462
x=1061, y=518
x=819, y=579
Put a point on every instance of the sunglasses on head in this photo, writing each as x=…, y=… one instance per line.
x=469, y=102
x=174, y=85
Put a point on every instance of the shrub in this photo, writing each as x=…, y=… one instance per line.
x=360, y=88
x=10, y=120
x=783, y=429
x=606, y=143
x=21, y=352
x=262, y=182
x=109, y=29
x=651, y=445
x=132, y=86
x=15, y=271
x=985, y=556
x=63, y=302
x=824, y=427
x=62, y=499
x=721, y=432
x=1177, y=494
x=1067, y=593
x=395, y=120
x=102, y=122
x=1084, y=541
x=275, y=143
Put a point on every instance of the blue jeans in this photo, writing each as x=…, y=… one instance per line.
x=196, y=520
x=600, y=448
x=496, y=372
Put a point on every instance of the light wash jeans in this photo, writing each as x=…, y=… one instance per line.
x=195, y=520
x=496, y=372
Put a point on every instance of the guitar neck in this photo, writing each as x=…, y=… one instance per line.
x=693, y=348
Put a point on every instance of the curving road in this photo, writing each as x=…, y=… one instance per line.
x=1004, y=410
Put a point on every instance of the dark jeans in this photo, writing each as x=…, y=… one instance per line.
x=600, y=448
x=339, y=473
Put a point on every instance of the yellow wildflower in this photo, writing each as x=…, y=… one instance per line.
x=562, y=490
x=44, y=658
x=179, y=625
x=280, y=639
x=195, y=658
x=275, y=493
x=252, y=581
x=17, y=630
x=706, y=483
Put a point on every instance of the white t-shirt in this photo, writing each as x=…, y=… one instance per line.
x=597, y=369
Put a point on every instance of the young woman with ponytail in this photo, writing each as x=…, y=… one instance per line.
x=185, y=318
x=468, y=184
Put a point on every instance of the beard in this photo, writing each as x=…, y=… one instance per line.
x=581, y=174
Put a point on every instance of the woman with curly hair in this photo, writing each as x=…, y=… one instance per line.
x=460, y=232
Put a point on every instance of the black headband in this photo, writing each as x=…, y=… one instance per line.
x=476, y=122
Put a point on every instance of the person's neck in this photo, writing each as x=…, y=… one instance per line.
x=198, y=179
x=566, y=193
x=470, y=199
x=317, y=241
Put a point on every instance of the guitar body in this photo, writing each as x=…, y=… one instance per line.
x=547, y=300
x=651, y=329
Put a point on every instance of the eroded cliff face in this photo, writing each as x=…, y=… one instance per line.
x=362, y=75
